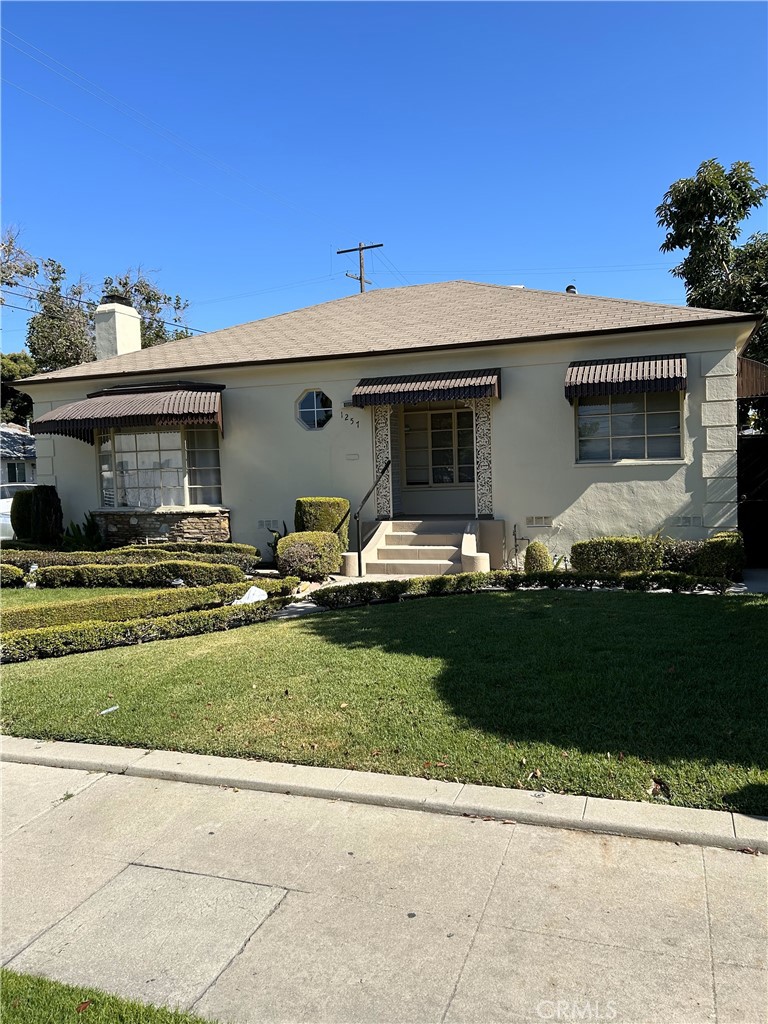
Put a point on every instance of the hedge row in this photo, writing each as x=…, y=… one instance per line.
x=141, y=554
x=345, y=596
x=57, y=641
x=719, y=555
x=152, y=604
x=198, y=546
x=11, y=576
x=158, y=574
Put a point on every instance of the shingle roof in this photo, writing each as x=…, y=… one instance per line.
x=16, y=443
x=427, y=316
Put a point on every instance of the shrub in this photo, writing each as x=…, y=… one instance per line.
x=150, y=604
x=76, y=638
x=47, y=522
x=617, y=554
x=537, y=558
x=158, y=574
x=721, y=555
x=11, y=576
x=140, y=554
x=197, y=546
x=83, y=538
x=310, y=555
x=247, y=560
x=680, y=555
x=21, y=513
x=323, y=515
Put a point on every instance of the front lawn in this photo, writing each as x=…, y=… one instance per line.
x=609, y=694
x=22, y=596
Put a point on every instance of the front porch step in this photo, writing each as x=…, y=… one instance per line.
x=401, y=538
x=428, y=552
x=410, y=567
x=429, y=525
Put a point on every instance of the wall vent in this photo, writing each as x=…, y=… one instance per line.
x=538, y=520
x=687, y=521
x=267, y=524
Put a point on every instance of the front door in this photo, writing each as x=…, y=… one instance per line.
x=437, y=460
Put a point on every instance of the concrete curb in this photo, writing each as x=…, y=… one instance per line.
x=689, y=825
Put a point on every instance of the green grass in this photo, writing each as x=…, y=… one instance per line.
x=30, y=1000
x=21, y=596
x=597, y=693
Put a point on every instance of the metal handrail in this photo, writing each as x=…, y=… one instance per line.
x=356, y=516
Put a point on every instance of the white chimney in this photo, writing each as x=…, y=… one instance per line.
x=118, y=327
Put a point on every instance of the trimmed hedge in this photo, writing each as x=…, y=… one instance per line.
x=140, y=555
x=11, y=576
x=617, y=554
x=311, y=555
x=21, y=513
x=323, y=515
x=537, y=558
x=159, y=574
x=722, y=555
x=150, y=604
x=57, y=641
x=719, y=555
x=198, y=546
x=345, y=596
x=681, y=555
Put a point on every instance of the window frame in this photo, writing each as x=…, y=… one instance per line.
x=639, y=460
x=428, y=409
x=184, y=469
x=16, y=465
x=315, y=409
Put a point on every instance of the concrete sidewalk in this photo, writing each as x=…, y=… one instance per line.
x=261, y=907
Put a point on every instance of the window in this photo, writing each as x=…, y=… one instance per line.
x=616, y=427
x=17, y=473
x=150, y=468
x=314, y=409
x=439, y=446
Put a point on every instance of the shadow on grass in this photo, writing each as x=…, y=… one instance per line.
x=666, y=678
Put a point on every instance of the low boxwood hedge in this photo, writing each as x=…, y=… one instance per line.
x=141, y=554
x=77, y=638
x=719, y=555
x=11, y=576
x=157, y=574
x=722, y=555
x=149, y=604
x=617, y=554
x=197, y=546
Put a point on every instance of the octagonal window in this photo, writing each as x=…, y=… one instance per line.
x=314, y=409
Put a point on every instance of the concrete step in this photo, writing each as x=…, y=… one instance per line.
x=409, y=567
x=398, y=538
x=429, y=525
x=430, y=552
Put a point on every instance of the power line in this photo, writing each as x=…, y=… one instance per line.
x=80, y=302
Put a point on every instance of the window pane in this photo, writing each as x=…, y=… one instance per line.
x=416, y=439
x=417, y=475
x=664, y=447
x=148, y=460
x=149, y=497
x=442, y=438
x=466, y=474
x=307, y=402
x=664, y=401
x=173, y=495
x=442, y=457
x=593, y=426
x=466, y=456
x=442, y=421
x=628, y=447
x=204, y=477
x=418, y=458
x=627, y=403
x=12, y=473
x=169, y=439
x=199, y=459
x=125, y=442
x=322, y=400
x=664, y=423
x=128, y=479
x=129, y=496
x=595, y=451
x=416, y=421
x=205, y=495
x=466, y=438
x=322, y=417
x=464, y=420
x=197, y=439
x=442, y=475
x=149, y=478
x=147, y=442
x=172, y=478
x=598, y=404
x=171, y=460
x=623, y=425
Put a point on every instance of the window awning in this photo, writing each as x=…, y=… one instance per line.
x=163, y=405
x=628, y=375
x=427, y=387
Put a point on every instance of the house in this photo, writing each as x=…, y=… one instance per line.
x=489, y=415
x=17, y=454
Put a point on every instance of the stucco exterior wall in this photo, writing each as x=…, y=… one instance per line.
x=269, y=459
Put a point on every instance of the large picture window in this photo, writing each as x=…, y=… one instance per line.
x=439, y=446
x=153, y=468
x=637, y=426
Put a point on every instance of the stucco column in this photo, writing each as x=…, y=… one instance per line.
x=382, y=451
x=483, y=473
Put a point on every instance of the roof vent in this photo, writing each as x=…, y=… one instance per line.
x=571, y=290
x=112, y=297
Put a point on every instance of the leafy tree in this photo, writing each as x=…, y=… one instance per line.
x=16, y=264
x=156, y=309
x=16, y=407
x=60, y=334
x=704, y=214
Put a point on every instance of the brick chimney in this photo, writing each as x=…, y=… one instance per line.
x=118, y=327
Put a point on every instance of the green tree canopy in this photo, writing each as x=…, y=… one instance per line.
x=16, y=407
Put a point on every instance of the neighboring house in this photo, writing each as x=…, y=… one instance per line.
x=517, y=414
x=17, y=454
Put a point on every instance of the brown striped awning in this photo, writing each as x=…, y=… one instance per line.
x=630, y=374
x=427, y=387
x=752, y=378
x=163, y=405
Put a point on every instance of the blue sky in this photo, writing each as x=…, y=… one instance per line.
x=515, y=143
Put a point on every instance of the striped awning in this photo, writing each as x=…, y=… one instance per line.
x=752, y=378
x=630, y=374
x=427, y=387
x=163, y=405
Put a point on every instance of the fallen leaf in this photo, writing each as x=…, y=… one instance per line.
x=441, y=764
x=344, y=705
x=82, y=1007
x=750, y=850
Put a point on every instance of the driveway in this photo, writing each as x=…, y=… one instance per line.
x=260, y=907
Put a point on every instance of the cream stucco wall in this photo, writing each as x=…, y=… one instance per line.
x=269, y=459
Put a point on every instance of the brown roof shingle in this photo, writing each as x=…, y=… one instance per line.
x=428, y=316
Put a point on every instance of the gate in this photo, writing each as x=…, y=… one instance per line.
x=752, y=472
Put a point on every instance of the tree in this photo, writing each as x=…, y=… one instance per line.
x=60, y=334
x=16, y=407
x=162, y=315
x=16, y=264
x=704, y=214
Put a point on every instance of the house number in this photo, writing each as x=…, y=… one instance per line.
x=351, y=419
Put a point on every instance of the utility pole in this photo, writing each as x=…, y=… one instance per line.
x=360, y=249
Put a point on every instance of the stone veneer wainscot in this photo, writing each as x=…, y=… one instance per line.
x=126, y=525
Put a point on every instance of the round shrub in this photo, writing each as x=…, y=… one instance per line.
x=21, y=513
x=310, y=554
x=47, y=519
x=11, y=576
x=324, y=515
x=537, y=558
x=722, y=555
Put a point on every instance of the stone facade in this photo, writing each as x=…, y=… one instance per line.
x=127, y=526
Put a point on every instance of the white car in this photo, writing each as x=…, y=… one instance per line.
x=7, y=492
